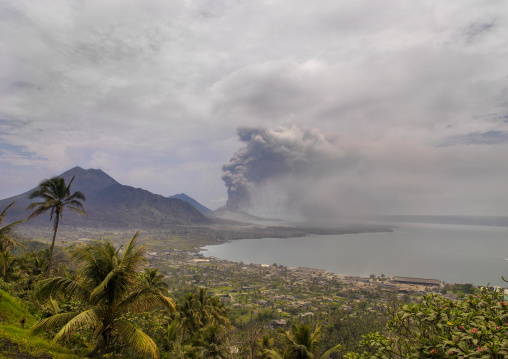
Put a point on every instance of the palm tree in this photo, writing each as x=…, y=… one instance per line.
x=152, y=278
x=197, y=327
x=301, y=343
x=108, y=287
x=197, y=310
x=209, y=309
x=7, y=263
x=214, y=343
x=56, y=196
x=6, y=241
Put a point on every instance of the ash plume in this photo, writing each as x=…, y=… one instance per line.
x=278, y=162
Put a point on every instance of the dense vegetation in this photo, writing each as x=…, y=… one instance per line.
x=474, y=327
x=103, y=300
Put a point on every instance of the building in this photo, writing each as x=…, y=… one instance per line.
x=417, y=281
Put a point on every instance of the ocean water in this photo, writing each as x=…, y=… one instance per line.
x=450, y=253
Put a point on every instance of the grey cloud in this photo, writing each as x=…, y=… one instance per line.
x=476, y=138
x=477, y=29
x=278, y=153
x=302, y=173
x=24, y=85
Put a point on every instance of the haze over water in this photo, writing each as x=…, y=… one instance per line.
x=451, y=253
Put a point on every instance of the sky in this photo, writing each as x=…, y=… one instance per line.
x=319, y=109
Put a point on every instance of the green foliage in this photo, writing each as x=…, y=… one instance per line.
x=348, y=330
x=199, y=327
x=15, y=344
x=55, y=195
x=152, y=278
x=300, y=342
x=13, y=340
x=474, y=327
x=12, y=312
x=107, y=288
x=7, y=241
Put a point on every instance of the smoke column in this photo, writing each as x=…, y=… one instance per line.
x=274, y=154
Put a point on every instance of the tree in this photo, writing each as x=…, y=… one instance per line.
x=55, y=195
x=209, y=308
x=198, y=327
x=197, y=310
x=152, y=278
x=474, y=327
x=6, y=241
x=108, y=288
x=301, y=343
x=7, y=263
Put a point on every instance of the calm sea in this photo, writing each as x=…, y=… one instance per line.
x=451, y=253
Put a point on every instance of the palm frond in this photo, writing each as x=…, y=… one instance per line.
x=132, y=257
x=4, y=212
x=99, y=292
x=52, y=322
x=137, y=340
x=271, y=354
x=145, y=299
x=331, y=351
x=121, y=274
x=8, y=228
x=41, y=192
x=77, y=210
x=6, y=241
x=86, y=318
x=82, y=254
x=77, y=196
x=68, y=188
x=39, y=210
x=61, y=285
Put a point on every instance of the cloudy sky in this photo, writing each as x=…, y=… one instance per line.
x=379, y=106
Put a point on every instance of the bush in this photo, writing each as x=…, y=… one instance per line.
x=474, y=327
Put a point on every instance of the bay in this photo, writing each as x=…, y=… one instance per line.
x=450, y=253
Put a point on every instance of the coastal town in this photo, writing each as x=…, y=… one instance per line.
x=276, y=294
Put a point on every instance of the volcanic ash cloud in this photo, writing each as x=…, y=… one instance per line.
x=283, y=161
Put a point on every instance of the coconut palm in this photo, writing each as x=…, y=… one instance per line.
x=108, y=287
x=55, y=195
x=213, y=343
x=7, y=262
x=301, y=343
x=209, y=309
x=152, y=278
x=6, y=241
x=197, y=310
x=197, y=328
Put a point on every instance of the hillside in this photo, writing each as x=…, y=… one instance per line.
x=193, y=202
x=110, y=204
x=14, y=341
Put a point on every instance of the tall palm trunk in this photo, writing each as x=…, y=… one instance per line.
x=57, y=219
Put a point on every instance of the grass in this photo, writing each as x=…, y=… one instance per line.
x=14, y=341
x=12, y=312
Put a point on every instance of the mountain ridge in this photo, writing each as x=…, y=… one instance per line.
x=110, y=204
x=193, y=202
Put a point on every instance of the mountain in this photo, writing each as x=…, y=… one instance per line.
x=110, y=204
x=193, y=202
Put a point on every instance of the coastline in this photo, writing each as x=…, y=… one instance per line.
x=420, y=251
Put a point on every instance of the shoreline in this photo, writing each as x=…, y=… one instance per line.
x=430, y=248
